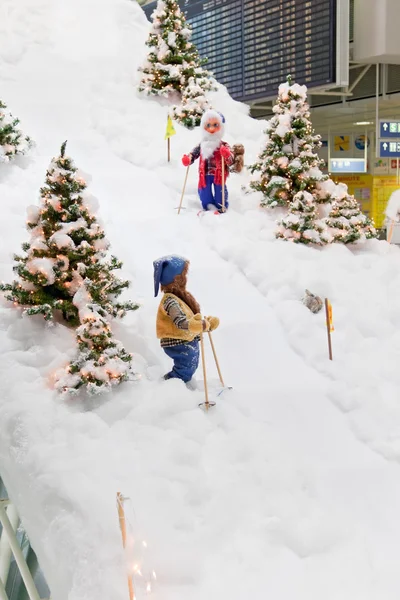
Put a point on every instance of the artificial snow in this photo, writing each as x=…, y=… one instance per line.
x=295, y=164
x=284, y=126
x=38, y=243
x=314, y=173
x=44, y=266
x=172, y=39
x=61, y=240
x=164, y=49
x=282, y=161
x=290, y=487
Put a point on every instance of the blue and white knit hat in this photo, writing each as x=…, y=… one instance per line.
x=166, y=269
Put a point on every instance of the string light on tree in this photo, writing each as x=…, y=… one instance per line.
x=101, y=361
x=67, y=248
x=12, y=141
x=194, y=103
x=346, y=222
x=301, y=225
x=172, y=59
x=289, y=160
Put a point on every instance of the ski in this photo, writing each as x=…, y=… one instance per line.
x=224, y=389
x=203, y=212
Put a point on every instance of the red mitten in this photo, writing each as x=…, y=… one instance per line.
x=185, y=160
x=225, y=152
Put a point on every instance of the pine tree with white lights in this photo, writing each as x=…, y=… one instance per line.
x=12, y=140
x=67, y=247
x=173, y=59
x=289, y=162
x=301, y=225
x=194, y=104
x=346, y=222
x=101, y=362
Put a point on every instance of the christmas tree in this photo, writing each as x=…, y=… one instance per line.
x=346, y=222
x=194, y=104
x=172, y=59
x=101, y=362
x=67, y=247
x=289, y=163
x=12, y=140
x=301, y=225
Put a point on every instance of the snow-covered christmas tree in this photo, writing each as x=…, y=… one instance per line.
x=12, y=140
x=346, y=221
x=173, y=59
x=101, y=362
x=67, y=247
x=302, y=225
x=289, y=162
x=194, y=104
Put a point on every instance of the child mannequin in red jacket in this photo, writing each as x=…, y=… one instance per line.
x=211, y=152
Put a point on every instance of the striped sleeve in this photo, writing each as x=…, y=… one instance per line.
x=195, y=153
x=175, y=313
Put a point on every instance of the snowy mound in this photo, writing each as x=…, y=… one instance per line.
x=289, y=487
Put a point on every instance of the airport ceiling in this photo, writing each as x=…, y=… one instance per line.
x=352, y=116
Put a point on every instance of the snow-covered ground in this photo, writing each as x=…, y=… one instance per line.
x=290, y=487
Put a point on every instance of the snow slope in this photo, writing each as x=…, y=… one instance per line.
x=290, y=487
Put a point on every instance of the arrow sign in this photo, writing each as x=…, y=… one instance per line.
x=389, y=129
x=348, y=165
x=389, y=149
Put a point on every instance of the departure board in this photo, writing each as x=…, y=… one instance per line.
x=252, y=45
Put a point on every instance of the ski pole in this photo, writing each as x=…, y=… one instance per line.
x=184, y=188
x=223, y=183
x=122, y=524
x=207, y=404
x=216, y=359
x=389, y=237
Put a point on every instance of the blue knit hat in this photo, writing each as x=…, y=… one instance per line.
x=166, y=269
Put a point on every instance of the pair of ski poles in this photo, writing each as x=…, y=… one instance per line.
x=223, y=186
x=207, y=404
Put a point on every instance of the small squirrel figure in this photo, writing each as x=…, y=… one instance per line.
x=313, y=302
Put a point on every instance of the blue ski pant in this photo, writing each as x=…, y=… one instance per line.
x=186, y=360
x=208, y=195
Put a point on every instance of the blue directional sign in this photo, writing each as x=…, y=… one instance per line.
x=389, y=129
x=348, y=165
x=389, y=149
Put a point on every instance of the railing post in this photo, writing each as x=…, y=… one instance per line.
x=18, y=555
x=5, y=548
x=3, y=595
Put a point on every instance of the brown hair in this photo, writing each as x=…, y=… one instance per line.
x=178, y=288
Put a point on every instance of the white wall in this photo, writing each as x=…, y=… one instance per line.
x=376, y=31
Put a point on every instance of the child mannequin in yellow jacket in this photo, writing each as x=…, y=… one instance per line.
x=179, y=322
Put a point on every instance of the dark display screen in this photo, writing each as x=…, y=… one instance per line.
x=252, y=45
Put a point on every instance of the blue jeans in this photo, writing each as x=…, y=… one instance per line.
x=208, y=197
x=186, y=360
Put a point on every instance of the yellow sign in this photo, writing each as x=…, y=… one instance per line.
x=342, y=143
x=170, y=131
x=330, y=319
x=372, y=192
x=383, y=188
x=360, y=186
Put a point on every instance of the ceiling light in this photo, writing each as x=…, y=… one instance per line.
x=364, y=123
